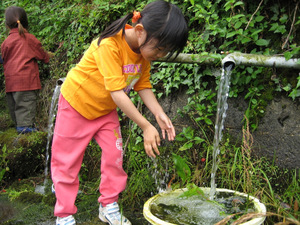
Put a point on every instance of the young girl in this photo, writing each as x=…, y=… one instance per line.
x=20, y=52
x=114, y=64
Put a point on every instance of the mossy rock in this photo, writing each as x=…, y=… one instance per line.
x=29, y=197
x=7, y=210
x=23, y=155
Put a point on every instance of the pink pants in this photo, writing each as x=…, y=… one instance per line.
x=72, y=134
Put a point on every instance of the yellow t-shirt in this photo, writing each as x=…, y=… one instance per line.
x=111, y=66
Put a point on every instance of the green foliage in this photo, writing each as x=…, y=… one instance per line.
x=3, y=162
x=193, y=190
x=216, y=28
x=21, y=155
x=182, y=168
x=192, y=140
x=231, y=25
x=68, y=27
x=201, y=106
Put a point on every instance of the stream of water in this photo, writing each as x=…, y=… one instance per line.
x=177, y=208
x=51, y=118
x=219, y=125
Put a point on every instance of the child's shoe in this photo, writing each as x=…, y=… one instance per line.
x=111, y=214
x=69, y=220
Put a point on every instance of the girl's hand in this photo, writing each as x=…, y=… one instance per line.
x=151, y=135
x=166, y=126
x=151, y=140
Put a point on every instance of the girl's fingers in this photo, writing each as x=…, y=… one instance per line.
x=171, y=133
x=151, y=147
x=150, y=152
x=164, y=133
x=156, y=144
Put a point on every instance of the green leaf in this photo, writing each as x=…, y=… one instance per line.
x=288, y=55
x=181, y=167
x=2, y=172
x=231, y=34
x=208, y=121
x=193, y=190
x=259, y=18
x=199, y=140
x=262, y=42
x=238, y=24
x=238, y=3
x=186, y=146
x=294, y=93
x=245, y=40
x=287, y=87
x=254, y=101
x=248, y=79
x=249, y=69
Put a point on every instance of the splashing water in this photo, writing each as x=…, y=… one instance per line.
x=220, y=118
x=160, y=176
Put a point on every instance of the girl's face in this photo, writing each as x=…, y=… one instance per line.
x=150, y=51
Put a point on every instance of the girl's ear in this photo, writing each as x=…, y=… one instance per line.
x=139, y=30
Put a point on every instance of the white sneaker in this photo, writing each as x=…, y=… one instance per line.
x=69, y=220
x=111, y=214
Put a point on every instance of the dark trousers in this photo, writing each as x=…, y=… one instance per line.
x=22, y=107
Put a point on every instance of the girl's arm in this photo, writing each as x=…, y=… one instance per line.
x=151, y=136
x=162, y=119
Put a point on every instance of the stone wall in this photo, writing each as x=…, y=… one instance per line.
x=277, y=137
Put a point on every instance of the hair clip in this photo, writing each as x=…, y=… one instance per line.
x=136, y=16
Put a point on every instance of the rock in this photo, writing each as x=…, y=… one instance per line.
x=276, y=138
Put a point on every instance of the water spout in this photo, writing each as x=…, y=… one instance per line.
x=60, y=81
x=237, y=58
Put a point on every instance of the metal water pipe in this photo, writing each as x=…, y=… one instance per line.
x=237, y=58
x=60, y=81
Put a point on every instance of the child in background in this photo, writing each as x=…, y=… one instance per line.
x=116, y=62
x=20, y=52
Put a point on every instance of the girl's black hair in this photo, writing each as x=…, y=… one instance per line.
x=162, y=21
x=16, y=17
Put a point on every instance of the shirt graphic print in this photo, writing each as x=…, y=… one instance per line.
x=134, y=71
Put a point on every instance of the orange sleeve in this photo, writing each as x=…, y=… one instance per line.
x=144, y=81
x=110, y=66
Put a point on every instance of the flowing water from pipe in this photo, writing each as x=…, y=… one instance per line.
x=219, y=126
x=51, y=120
x=220, y=118
x=53, y=108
